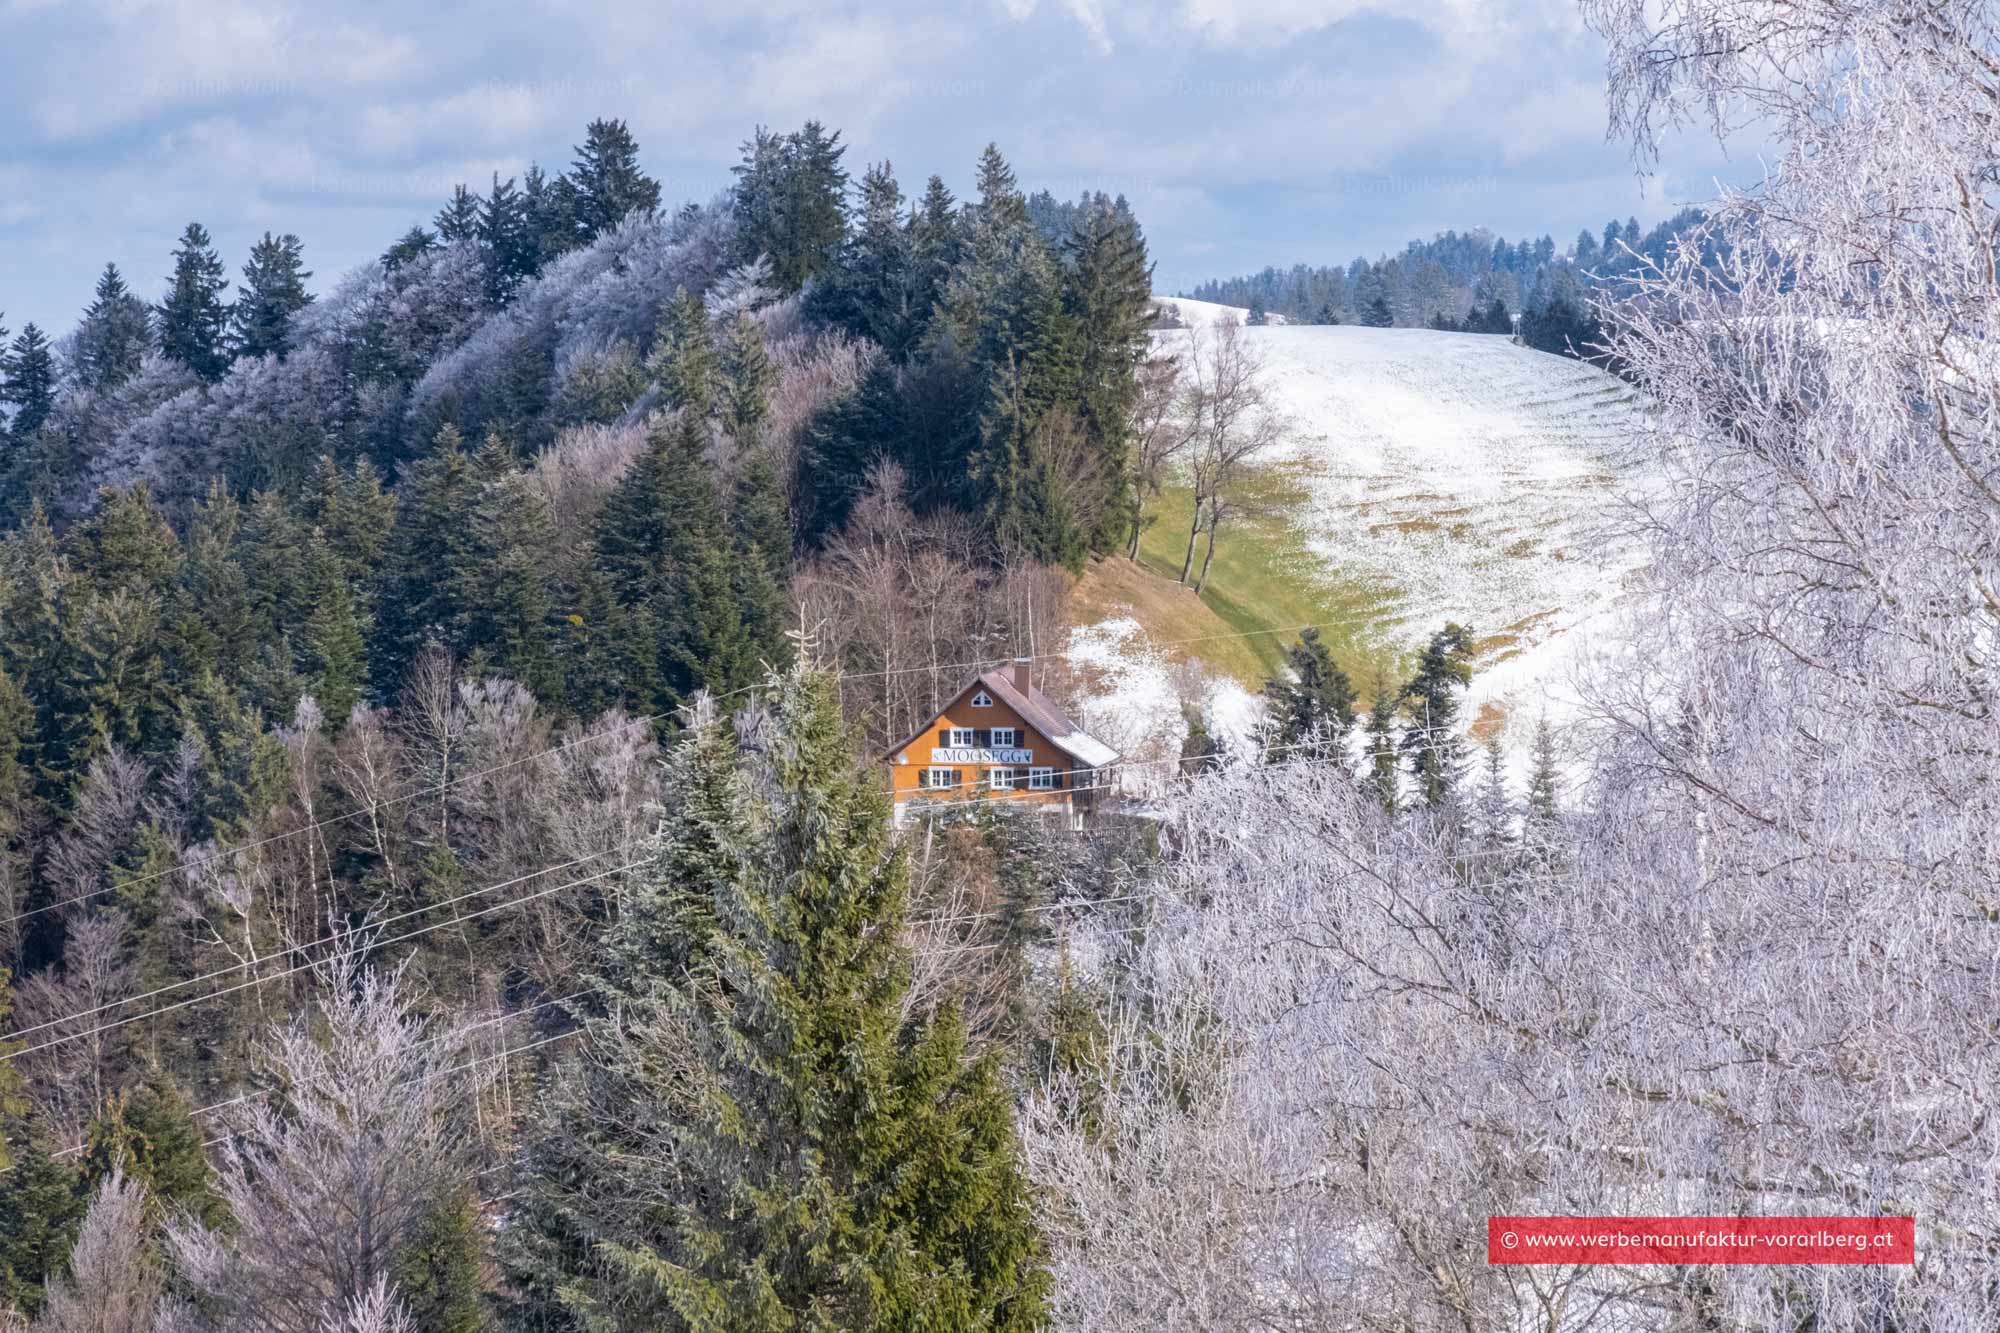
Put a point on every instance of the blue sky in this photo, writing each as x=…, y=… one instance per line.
x=1244, y=132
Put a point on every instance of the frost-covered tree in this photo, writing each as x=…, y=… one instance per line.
x=116, y=331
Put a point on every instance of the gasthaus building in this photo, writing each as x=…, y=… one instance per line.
x=1001, y=739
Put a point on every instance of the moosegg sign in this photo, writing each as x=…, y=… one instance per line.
x=962, y=754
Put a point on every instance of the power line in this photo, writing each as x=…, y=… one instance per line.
x=373, y=807
x=300, y=967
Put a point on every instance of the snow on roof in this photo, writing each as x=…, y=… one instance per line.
x=1038, y=711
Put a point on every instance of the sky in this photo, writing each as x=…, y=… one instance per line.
x=1245, y=132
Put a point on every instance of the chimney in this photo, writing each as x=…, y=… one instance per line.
x=1023, y=676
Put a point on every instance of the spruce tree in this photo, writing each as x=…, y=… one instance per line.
x=29, y=383
x=438, y=1271
x=192, y=318
x=665, y=550
x=507, y=239
x=761, y=529
x=684, y=358
x=548, y=210
x=506, y=585
x=149, y=1134
x=41, y=1208
x=1377, y=314
x=1433, y=693
x=116, y=332
x=333, y=647
x=873, y=290
x=840, y=1167
x=274, y=290
x=1313, y=708
x=607, y=181
x=790, y=203
x=1000, y=200
x=415, y=605
x=1543, y=778
x=457, y=222
x=414, y=244
x=1384, y=762
x=1108, y=295
x=749, y=380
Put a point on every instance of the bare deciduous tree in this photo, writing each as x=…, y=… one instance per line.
x=1230, y=418
x=113, y=1285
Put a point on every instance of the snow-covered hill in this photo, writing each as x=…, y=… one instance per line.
x=1465, y=477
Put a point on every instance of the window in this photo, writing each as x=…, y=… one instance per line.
x=1000, y=779
x=960, y=738
x=1044, y=779
x=981, y=699
x=1006, y=738
x=938, y=778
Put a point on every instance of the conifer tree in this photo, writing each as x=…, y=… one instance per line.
x=684, y=359
x=414, y=243
x=790, y=203
x=29, y=382
x=1543, y=779
x=607, y=181
x=1108, y=295
x=762, y=533
x=664, y=547
x=40, y=1211
x=333, y=643
x=192, y=318
x=506, y=584
x=274, y=290
x=1431, y=739
x=548, y=210
x=840, y=1168
x=508, y=241
x=457, y=222
x=1496, y=807
x=116, y=331
x=1313, y=709
x=1384, y=762
x=148, y=1134
x=415, y=605
x=438, y=1275
x=1377, y=314
x=1000, y=199
x=749, y=380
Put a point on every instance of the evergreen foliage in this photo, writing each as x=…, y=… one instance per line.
x=605, y=182
x=790, y=203
x=115, y=334
x=1313, y=708
x=1432, y=694
x=191, y=319
x=28, y=382
x=273, y=291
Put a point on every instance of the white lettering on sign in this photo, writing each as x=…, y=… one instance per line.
x=975, y=755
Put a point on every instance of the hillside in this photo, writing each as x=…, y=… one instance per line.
x=1422, y=477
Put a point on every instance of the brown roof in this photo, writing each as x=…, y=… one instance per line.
x=1039, y=711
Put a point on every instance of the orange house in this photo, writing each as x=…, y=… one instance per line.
x=1000, y=739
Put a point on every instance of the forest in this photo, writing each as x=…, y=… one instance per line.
x=447, y=884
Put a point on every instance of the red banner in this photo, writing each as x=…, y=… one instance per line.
x=1701, y=1240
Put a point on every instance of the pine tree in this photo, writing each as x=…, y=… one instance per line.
x=1314, y=709
x=505, y=236
x=192, y=318
x=684, y=359
x=839, y=1168
x=607, y=181
x=116, y=331
x=1432, y=739
x=457, y=222
x=1377, y=315
x=29, y=383
x=274, y=290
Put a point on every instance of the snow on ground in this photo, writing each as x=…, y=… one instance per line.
x=1131, y=696
x=1467, y=479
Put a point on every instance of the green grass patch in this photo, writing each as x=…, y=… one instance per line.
x=1264, y=579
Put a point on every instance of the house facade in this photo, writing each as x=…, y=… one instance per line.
x=1001, y=739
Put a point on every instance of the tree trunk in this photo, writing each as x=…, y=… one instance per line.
x=1207, y=559
x=1194, y=531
